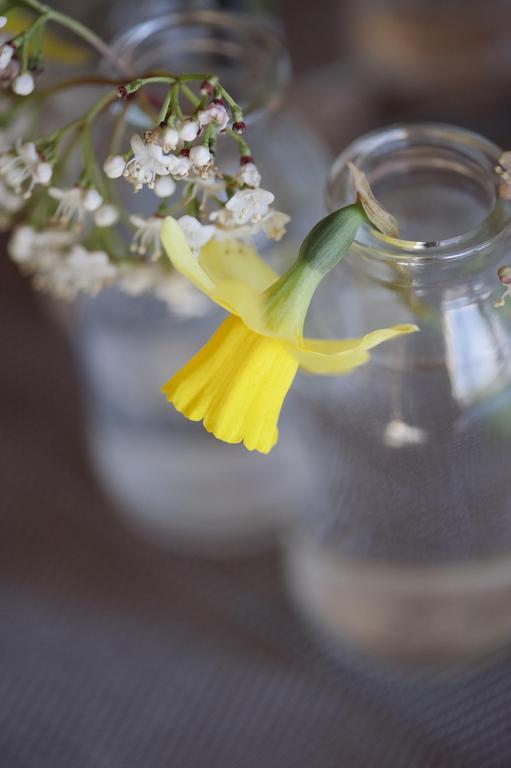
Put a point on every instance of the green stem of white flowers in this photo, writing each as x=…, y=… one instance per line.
x=244, y=148
x=162, y=117
x=190, y=95
x=174, y=101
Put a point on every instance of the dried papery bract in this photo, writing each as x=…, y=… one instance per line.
x=377, y=215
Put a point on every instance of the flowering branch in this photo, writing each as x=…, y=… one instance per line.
x=174, y=160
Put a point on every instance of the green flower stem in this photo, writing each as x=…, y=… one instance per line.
x=175, y=107
x=98, y=107
x=226, y=96
x=162, y=117
x=330, y=239
x=288, y=299
x=141, y=82
x=91, y=173
x=244, y=148
x=208, y=135
x=190, y=95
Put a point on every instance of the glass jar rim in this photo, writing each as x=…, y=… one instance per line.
x=258, y=29
x=373, y=243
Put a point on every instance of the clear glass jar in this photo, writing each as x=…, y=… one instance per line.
x=407, y=548
x=168, y=476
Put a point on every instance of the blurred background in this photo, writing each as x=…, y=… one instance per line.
x=359, y=64
x=118, y=650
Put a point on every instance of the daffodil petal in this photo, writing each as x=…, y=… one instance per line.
x=235, y=385
x=230, y=273
x=228, y=261
x=182, y=258
x=336, y=356
x=245, y=302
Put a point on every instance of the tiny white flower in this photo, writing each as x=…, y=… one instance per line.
x=147, y=236
x=210, y=184
x=36, y=249
x=200, y=156
x=106, y=216
x=87, y=271
x=196, y=234
x=249, y=175
x=148, y=161
x=22, y=166
x=181, y=167
x=114, y=166
x=274, y=224
x=21, y=244
x=23, y=84
x=6, y=54
x=3, y=21
x=214, y=113
x=165, y=136
x=43, y=173
x=92, y=200
x=74, y=203
x=164, y=186
x=188, y=130
x=66, y=271
x=10, y=204
x=250, y=205
x=169, y=138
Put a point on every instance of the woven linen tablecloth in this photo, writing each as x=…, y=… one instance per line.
x=115, y=654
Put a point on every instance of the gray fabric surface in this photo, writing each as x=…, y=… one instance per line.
x=114, y=654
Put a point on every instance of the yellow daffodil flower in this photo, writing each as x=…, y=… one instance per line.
x=236, y=384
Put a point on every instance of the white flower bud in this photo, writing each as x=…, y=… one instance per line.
x=181, y=167
x=200, y=156
x=196, y=234
x=92, y=200
x=164, y=186
x=249, y=175
x=169, y=138
x=6, y=54
x=214, y=113
x=106, y=216
x=23, y=85
x=189, y=130
x=114, y=166
x=3, y=21
x=43, y=173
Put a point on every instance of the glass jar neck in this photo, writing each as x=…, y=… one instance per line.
x=246, y=52
x=440, y=183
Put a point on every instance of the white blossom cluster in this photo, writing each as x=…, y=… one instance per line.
x=57, y=239
x=59, y=264
x=167, y=285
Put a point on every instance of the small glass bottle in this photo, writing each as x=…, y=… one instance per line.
x=169, y=477
x=407, y=548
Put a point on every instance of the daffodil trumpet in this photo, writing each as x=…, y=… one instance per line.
x=236, y=384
